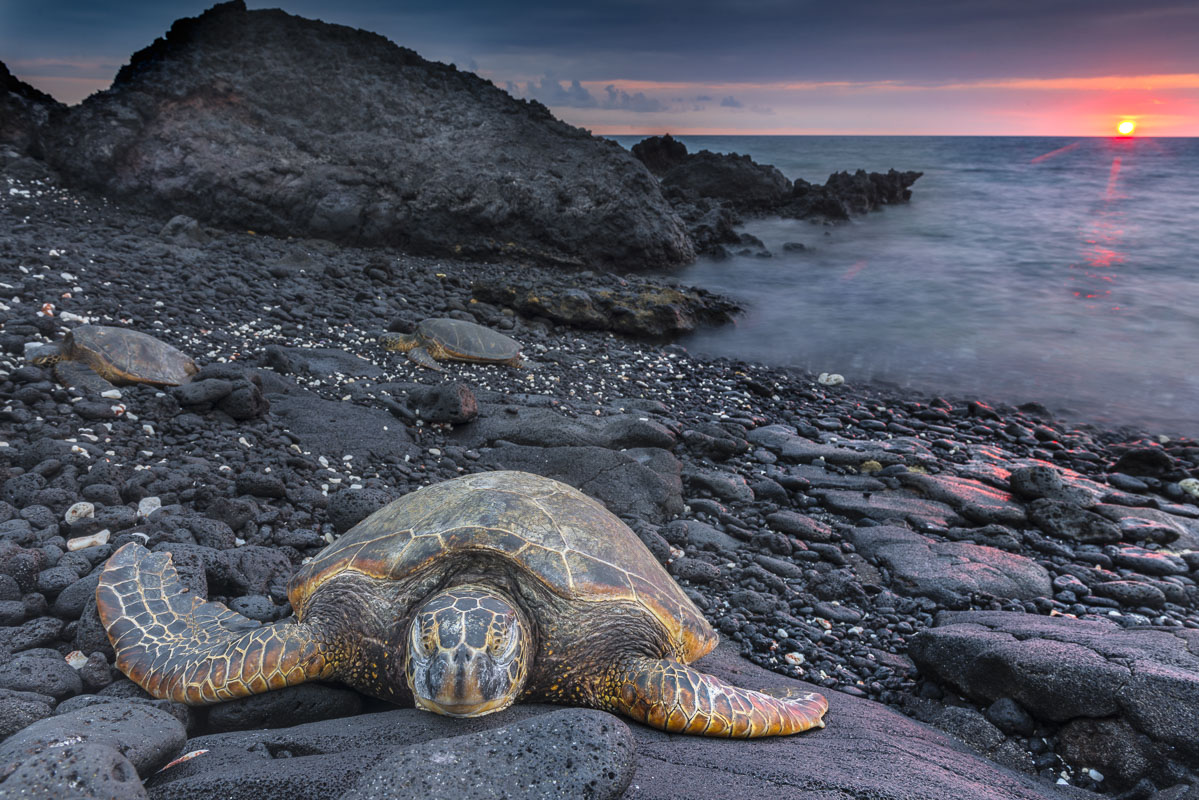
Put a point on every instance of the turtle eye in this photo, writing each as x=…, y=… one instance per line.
x=503, y=642
x=424, y=637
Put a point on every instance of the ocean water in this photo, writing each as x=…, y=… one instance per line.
x=1064, y=271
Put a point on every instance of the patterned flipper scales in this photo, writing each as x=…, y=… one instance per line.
x=176, y=646
x=671, y=696
x=81, y=377
x=422, y=357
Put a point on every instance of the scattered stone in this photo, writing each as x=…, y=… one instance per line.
x=1131, y=593
x=78, y=512
x=830, y=379
x=348, y=507
x=84, y=542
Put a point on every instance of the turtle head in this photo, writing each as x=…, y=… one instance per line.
x=44, y=355
x=468, y=652
x=402, y=342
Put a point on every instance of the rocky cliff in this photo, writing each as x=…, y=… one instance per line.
x=24, y=111
x=266, y=121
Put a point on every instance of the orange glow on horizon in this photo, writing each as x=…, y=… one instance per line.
x=1126, y=127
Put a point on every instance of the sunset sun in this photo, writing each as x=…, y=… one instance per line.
x=1126, y=127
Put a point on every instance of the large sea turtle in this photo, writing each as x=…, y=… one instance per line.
x=462, y=597
x=94, y=358
x=441, y=338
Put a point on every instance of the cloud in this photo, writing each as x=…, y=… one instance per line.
x=552, y=92
x=731, y=102
x=620, y=99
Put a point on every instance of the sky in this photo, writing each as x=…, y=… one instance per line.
x=927, y=67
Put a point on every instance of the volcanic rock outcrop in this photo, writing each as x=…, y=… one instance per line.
x=266, y=121
x=23, y=112
x=713, y=191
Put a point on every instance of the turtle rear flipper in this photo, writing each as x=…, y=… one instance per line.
x=80, y=377
x=674, y=697
x=176, y=646
x=422, y=357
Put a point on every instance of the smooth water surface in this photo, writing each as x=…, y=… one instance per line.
x=1064, y=271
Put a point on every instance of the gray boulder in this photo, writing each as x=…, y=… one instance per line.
x=735, y=179
x=148, y=737
x=544, y=427
x=341, y=428
x=263, y=120
x=634, y=307
x=949, y=572
x=1061, y=669
x=641, y=483
x=83, y=771
x=570, y=753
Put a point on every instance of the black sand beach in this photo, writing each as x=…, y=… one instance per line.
x=996, y=603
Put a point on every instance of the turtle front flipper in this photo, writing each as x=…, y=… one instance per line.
x=666, y=694
x=80, y=377
x=176, y=646
x=422, y=357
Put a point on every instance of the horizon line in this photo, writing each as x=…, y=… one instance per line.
x=607, y=131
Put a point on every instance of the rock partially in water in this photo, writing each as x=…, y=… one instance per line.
x=633, y=307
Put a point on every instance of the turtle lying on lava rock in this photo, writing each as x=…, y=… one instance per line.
x=95, y=358
x=463, y=598
x=441, y=339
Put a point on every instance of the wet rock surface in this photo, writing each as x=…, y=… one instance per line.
x=779, y=503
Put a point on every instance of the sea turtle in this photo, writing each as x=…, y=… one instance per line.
x=94, y=358
x=463, y=597
x=441, y=338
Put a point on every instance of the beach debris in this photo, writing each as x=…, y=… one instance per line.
x=94, y=540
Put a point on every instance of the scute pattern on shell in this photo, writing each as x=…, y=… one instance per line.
x=126, y=355
x=467, y=340
x=550, y=531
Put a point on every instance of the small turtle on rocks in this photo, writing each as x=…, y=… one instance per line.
x=442, y=338
x=96, y=358
x=462, y=597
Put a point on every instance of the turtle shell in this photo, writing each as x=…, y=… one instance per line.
x=467, y=340
x=125, y=355
x=549, y=531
